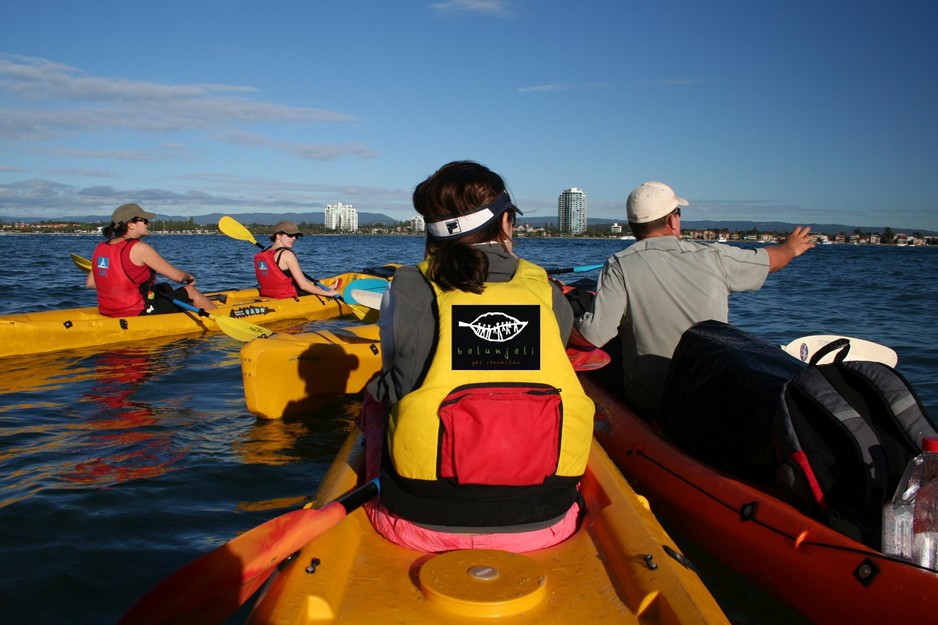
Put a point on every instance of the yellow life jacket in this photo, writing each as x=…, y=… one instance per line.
x=500, y=404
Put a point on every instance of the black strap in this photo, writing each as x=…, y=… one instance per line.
x=842, y=344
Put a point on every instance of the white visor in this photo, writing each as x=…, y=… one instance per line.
x=455, y=227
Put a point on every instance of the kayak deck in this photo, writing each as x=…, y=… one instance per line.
x=73, y=328
x=618, y=568
x=285, y=373
x=825, y=575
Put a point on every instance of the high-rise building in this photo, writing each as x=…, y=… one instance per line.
x=571, y=211
x=417, y=223
x=341, y=217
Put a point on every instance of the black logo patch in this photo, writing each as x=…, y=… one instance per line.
x=250, y=311
x=489, y=338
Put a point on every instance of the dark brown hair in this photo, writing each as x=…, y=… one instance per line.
x=648, y=228
x=111, y=231
x=459, y=188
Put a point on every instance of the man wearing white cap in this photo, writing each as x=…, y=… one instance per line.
x=660, y=286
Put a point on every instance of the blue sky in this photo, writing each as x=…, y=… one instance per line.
x=799, y=111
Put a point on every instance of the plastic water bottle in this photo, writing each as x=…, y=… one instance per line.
x=925, y=526
x=910, y=520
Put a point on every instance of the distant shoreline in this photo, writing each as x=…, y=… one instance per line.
x=927, y=241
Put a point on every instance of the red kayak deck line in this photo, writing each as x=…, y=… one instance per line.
x=827, y=576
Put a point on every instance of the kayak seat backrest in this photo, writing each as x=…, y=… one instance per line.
x=831, y=461
x=722, y=393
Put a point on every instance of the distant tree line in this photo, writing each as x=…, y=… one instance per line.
x=548, y=229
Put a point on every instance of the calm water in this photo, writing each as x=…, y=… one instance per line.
x=121, y=465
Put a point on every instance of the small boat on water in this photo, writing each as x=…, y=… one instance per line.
x=620, y=566
x=30, y=333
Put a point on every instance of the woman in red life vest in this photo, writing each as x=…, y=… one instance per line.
x=478, y=425
x=124, y=268
x=278, y=270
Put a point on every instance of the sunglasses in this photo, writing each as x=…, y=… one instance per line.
x=677, y=211
x=136, y=220
x=292, y=236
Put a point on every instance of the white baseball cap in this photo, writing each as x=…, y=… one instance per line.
x=650, y=201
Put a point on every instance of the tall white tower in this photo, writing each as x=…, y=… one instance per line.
x=571, y=211
x=341, y=217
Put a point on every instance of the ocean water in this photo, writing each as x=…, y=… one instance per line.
x=122, y=464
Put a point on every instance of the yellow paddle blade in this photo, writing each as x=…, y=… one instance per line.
x=82, y=263
x=363, y=313
x=234, y=229
x=239, y=329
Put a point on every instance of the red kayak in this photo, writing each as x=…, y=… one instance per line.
x=825, y=575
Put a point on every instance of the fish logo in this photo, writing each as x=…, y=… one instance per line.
x=496, y=337
x=495, y=327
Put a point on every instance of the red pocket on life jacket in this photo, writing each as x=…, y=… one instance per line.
x=500, y=435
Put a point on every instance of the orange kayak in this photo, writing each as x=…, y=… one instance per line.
x=825, y=575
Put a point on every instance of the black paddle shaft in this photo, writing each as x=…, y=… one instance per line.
x=360, y=495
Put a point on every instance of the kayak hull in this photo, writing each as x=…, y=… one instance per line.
x=825, y=575
x=616, y=568
x=74, y=328
x=284, y=374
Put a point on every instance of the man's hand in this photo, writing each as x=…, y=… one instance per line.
x=796, y=244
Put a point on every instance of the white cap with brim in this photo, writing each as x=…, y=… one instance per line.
x=650, y=201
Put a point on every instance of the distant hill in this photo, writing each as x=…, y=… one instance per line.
x=779, y=226
x=269, y=219
x=743, y=226
x=266, y=219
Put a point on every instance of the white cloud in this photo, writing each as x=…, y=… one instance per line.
x=317, y=152
x=40, y=98
x=164, y=152
x=87, y=173
x=672, y=82
x=562, y=86
x=485, y=7
x=215, y=193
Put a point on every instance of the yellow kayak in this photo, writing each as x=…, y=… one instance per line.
x=620, y=566
x=286, y=373
x=55, y=330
